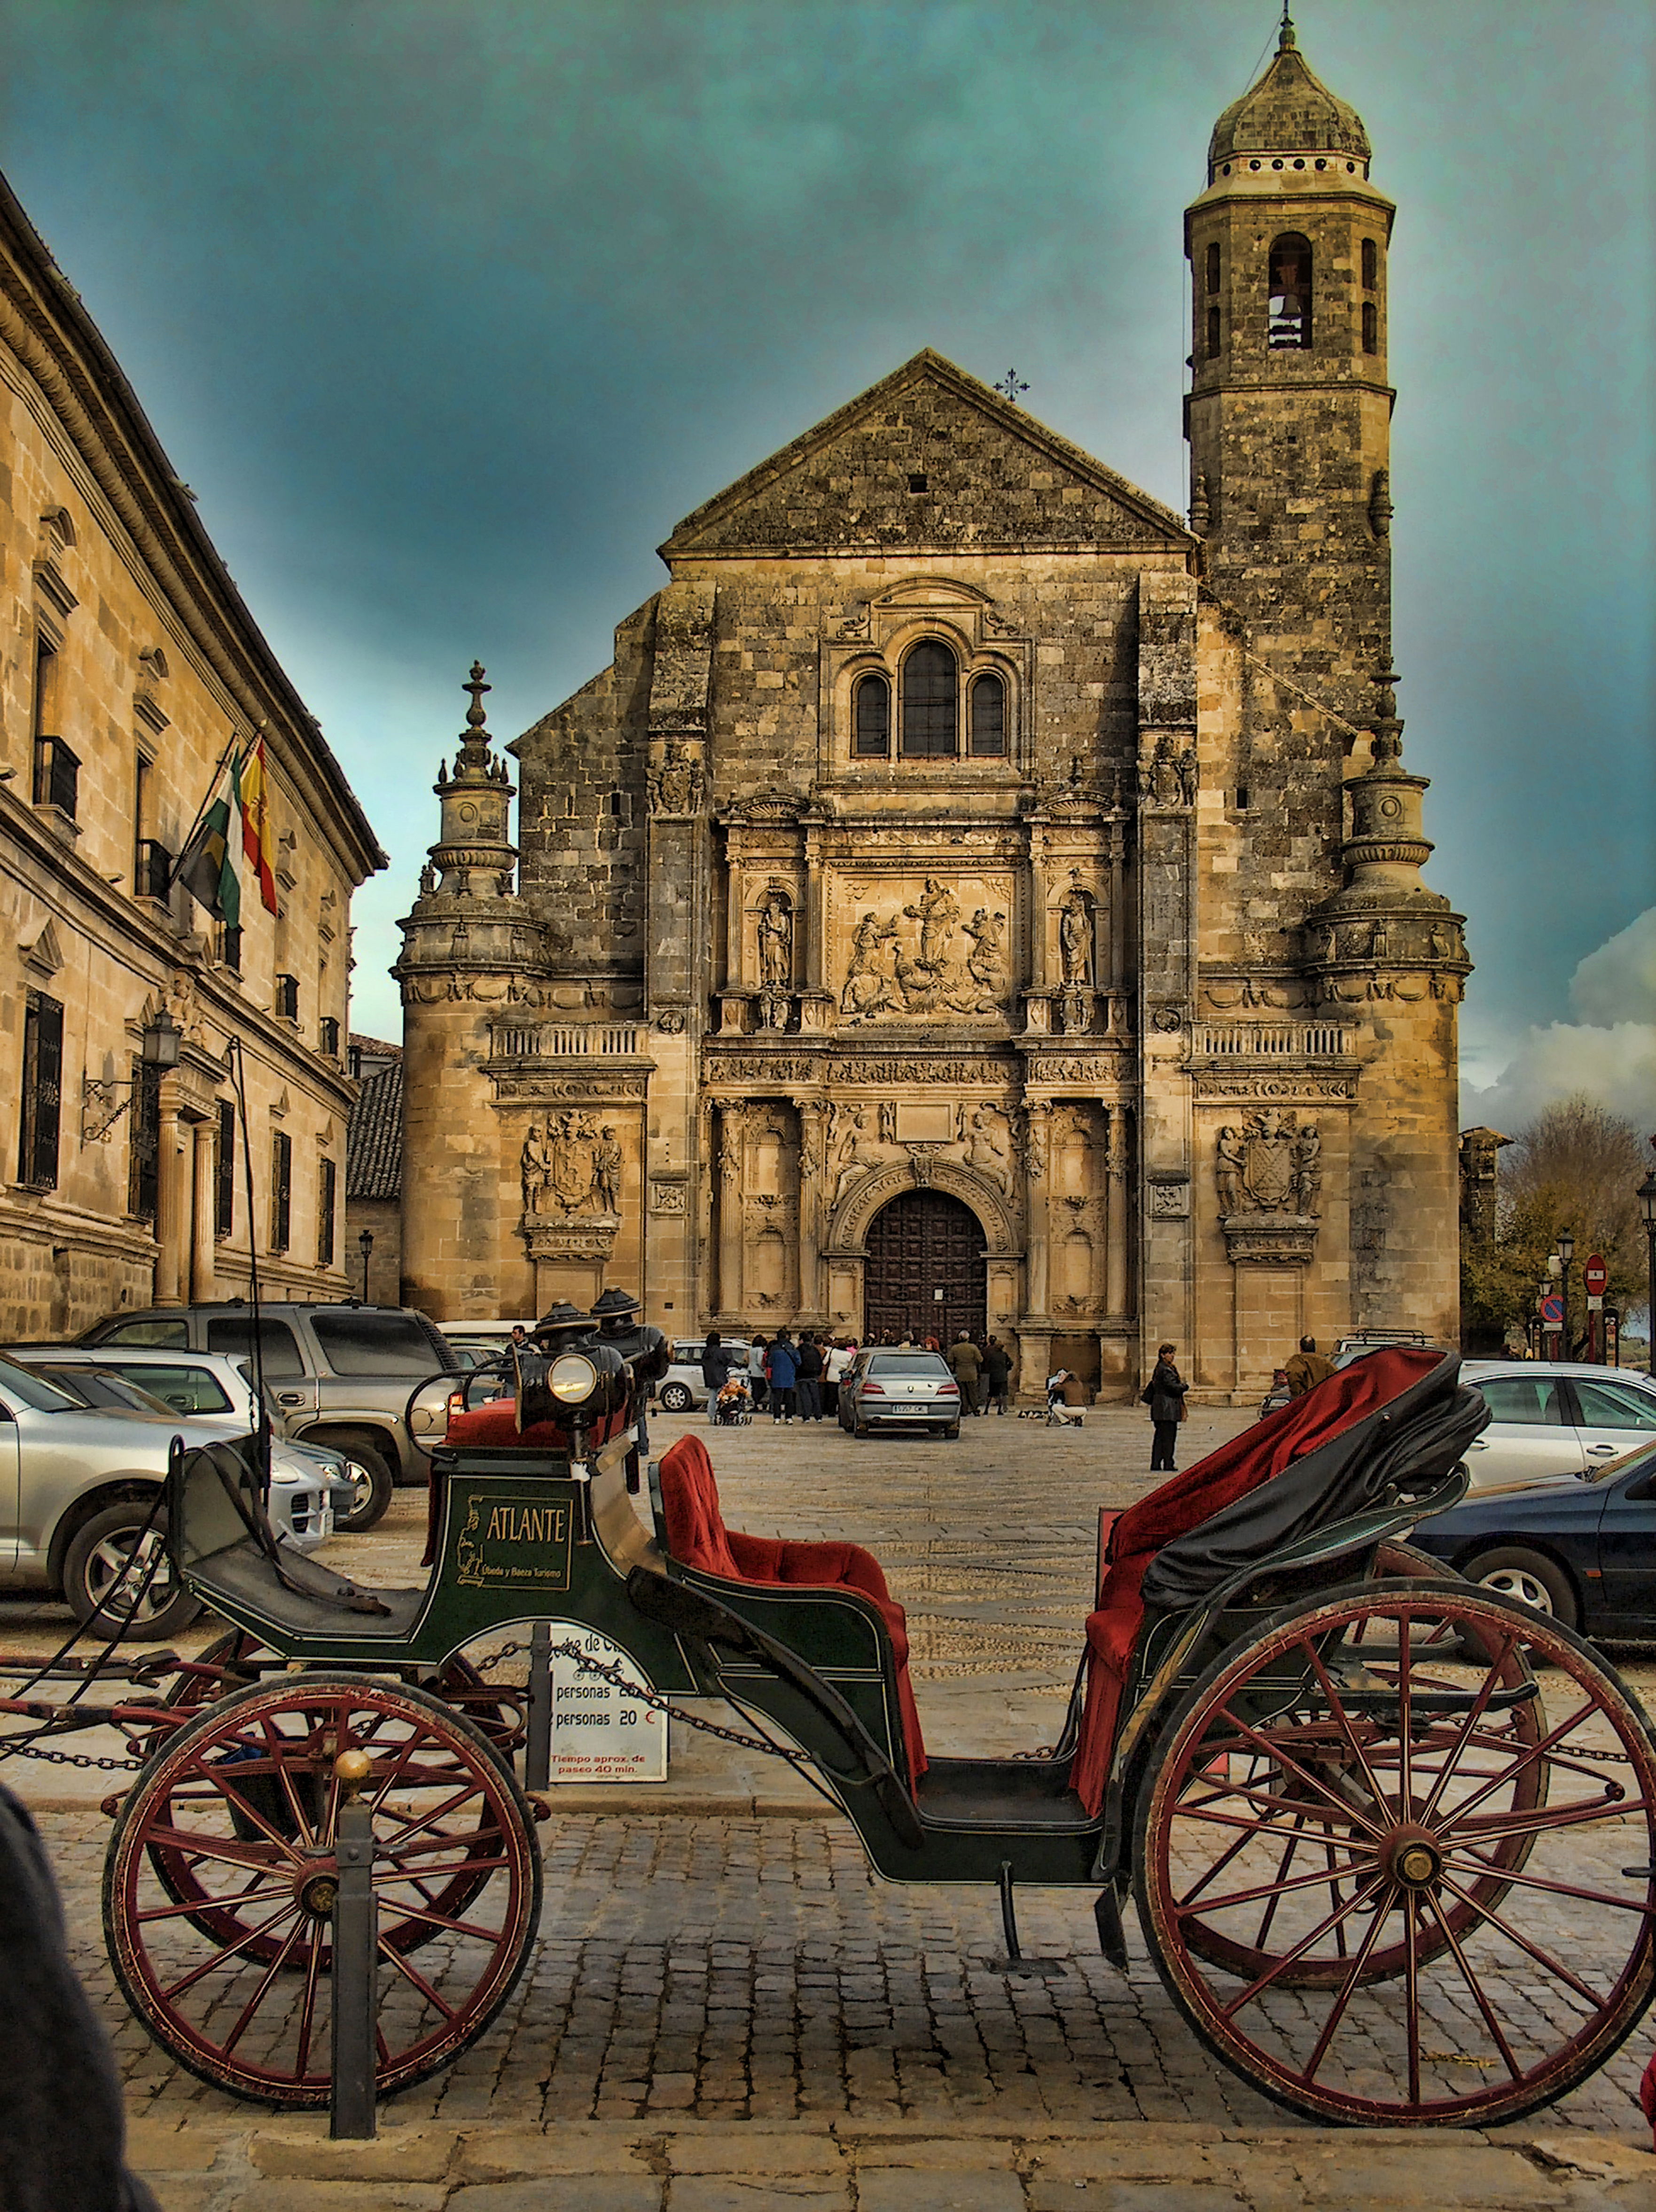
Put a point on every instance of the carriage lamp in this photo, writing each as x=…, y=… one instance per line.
x=1647, y=1197
x=572, y=1378
x=101, y=1106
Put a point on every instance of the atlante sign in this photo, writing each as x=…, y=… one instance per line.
x=515, y=1538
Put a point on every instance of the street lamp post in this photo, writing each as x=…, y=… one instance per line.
x=1566, y=1250
x=365, y=1246
x=1647, y=1207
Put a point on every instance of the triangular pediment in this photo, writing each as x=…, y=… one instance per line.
x=929, y=458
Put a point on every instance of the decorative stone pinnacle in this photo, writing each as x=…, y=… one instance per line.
x=1388, y=730
x=473, y=756
x=1285, y=38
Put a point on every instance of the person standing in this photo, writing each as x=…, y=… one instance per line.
x=997, y=1373
x=809, y=1381
x=965, y=1365
x=1164, y=1393
x=833, y=1373
x=781, y=1372
x=719, y=1361
x=1306, y=1369
x=756, y=1378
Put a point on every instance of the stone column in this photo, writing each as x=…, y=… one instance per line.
x=1037, y=1154
x=732, y=1118
x=812, y=1114
x=814, y=918
x=1116, y=971
x=1038, y=916
x=1118, y=1219
x=203, y=1253
x=171, y=1198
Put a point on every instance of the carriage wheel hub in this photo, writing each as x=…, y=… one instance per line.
x=1412, y=1858
x=317, y=1893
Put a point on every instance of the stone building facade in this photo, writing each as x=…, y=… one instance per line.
x=128, y=666
x=974, y=895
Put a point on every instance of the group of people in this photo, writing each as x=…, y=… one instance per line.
x=982, y=1370
x=797, y=1377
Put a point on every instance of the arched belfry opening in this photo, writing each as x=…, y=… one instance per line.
x=926, y=1274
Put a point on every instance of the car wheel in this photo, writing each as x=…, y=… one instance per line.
x=1530, y=1577
x=675, y=1398
x=373, y=1477
x=104, y=1573
x=951, y=1432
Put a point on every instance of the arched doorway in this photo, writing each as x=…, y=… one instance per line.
x=925, y=1273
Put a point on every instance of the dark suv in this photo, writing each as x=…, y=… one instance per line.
x=341, y=1375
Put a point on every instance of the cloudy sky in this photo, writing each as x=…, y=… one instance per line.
x=450, y=309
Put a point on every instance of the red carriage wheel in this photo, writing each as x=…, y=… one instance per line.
x=239, y=1807
x=1312, y=1818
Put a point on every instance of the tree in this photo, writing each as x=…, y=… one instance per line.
x=1576, y=1166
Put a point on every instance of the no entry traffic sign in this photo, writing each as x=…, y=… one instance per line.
x=1596, y=1276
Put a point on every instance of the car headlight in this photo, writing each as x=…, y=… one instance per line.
x=572, y=1378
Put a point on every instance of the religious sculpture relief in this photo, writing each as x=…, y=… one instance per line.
x=987, y=1149
x=926, y=968
x=775, y=932
x=1269, y=1163
x=1167, y=777
x=851, y=1154
x=1076, y=932
x=568, y=1167
x=676, y=786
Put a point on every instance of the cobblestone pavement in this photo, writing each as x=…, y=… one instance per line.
x=726, y=2008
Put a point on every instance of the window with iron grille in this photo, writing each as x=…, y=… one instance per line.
x=144, y=1122
x=326, y=1193
x=281, y=1191
x=153, y=870
x=286, y=997
x=229, y=948
x=931, y=703
x=988, y=718
x=224, y=1171
x=871, y=716
x=328, y=1035
x=43, y=1091
x=56, y=776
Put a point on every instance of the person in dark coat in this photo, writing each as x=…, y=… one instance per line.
x=809, y=1381
x=781, y=1372
x=1307, y=1368
x=1164, y=1393
x=997, y=1372
x=62, y=2127
x=720, y=1361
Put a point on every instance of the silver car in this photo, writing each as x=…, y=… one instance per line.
x=1555, y=1417
x=897, y=1389
x=215, y=1386
x=79, y=1488
x=682, y=1386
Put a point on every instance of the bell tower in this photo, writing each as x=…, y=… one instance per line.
x=1289, y=410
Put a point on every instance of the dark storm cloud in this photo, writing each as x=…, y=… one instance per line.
x=450, y=311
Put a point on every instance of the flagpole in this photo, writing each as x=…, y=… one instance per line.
x=201, y=810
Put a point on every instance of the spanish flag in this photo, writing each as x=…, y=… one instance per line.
x=252, y=790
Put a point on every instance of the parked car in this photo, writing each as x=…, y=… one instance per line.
x=1579, y=1548
x=191, y=1387
x=888, y=1389
x=681, y=1387
x=78, y=1488
x=339, y=1375
x=1555, y=1416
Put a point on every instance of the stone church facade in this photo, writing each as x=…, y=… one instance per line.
x=974, y=895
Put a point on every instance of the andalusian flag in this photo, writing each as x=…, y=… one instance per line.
x=252, y=790
x=206, y=870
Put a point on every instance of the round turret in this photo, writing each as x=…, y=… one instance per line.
x=1287, y=111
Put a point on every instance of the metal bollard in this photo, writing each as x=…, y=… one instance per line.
x=355, y=1955
x=538, y=1744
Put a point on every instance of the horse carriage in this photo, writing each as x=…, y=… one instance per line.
x=1389, y=1837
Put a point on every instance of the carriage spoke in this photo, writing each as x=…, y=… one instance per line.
x=206, y=1902
x=1497, y=1827
x=1523, y=1880
x=1412, y=1994
x=1336, y=2010
x=1280, y=1967
x=1465, y=1734
x=1273, y=1749
x=1317, y=1879
x=228, y=1951
x=448, y=2011
x=1341, y=1718
x=1497, y=2033
x=265, y=1981
x=1542, y=1958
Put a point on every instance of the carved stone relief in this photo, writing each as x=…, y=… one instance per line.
x=937, y=947
x=567, y=1166
x=677, y=786
x=1267, y=1177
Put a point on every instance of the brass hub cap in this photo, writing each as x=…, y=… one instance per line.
x=317, y=1892
x=1412, y=1858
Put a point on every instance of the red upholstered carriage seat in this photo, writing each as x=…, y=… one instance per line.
x=697, y=1537
x=1237, y=1468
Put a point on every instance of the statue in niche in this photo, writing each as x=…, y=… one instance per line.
x=1228, y=1169
x=867, y=985
x=1308, y=1168
x=1379, y=942
x=1032, y=1150
x=1076, y=932
x=534, y=1168
x=888, y=1122
x=985, y=1149
x=606, y=1171
x=775, y=935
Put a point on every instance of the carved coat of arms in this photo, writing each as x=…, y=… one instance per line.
x=1270, y=1164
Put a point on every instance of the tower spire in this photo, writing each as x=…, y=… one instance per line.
x=1285, y=38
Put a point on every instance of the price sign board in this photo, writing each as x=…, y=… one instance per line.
x=1596, y=1276
x=599, y=1733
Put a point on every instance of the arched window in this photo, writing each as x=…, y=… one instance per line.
x=1371, y=264
x=987, y=740
x=1213, y=334
x=871, y=719
x=931, y=703
x=1213, y=267
x=1288, y=324
x=1370, y=327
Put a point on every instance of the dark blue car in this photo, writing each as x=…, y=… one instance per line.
x=1581, y=1547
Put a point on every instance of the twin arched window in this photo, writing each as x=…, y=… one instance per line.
x=929, y=720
